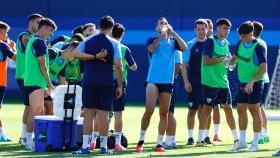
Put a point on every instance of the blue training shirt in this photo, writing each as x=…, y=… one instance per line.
x=98, y=72
x=162, y=61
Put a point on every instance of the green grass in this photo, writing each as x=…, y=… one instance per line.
x=11, y=116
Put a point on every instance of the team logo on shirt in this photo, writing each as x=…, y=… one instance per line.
x=190, y=104
x=196, y=50
x=209, y=100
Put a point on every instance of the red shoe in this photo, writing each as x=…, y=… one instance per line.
x=217, y=139
x=91, y=146
x=159, y=148
x=139, y=146
x=120, y=147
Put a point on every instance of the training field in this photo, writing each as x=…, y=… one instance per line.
x=11, y=116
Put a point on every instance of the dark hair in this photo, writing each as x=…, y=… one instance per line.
x=4, y=26
x=223, y=21
x=200, y=22
x=258, y=28
x=47, y=22
x=118, y=30
x=87, y=25
x=106, y=22
x=209, y=21
x=34, y=16
x=79, y=37
x=246, y=28
x=74, y=44
x=78, y=29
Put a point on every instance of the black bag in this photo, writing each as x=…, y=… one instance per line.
x=111, y=140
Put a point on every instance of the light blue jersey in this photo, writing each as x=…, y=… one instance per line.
x=162, y=62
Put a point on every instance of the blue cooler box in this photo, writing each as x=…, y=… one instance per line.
x=49, y=133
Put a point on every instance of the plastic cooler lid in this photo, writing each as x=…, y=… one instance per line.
x=48, y=117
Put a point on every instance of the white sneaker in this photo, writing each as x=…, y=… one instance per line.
x=237, y=146
x=253, y=148
x=30, y=147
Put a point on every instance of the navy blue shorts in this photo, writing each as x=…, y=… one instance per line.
x=264, y=93
x=194, y=98
x=20, y=83
x=119, y=104
x=214, y=96
x=2, y=94
x=173, y=97
x=252, y=98
x=98, y=97
x=164, y=87
x=28, y=90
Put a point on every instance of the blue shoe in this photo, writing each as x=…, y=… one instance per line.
x=106, y=151
x=5, y=139
x=277, y=153
x=81, y=151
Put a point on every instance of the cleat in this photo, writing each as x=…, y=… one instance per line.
x=119, y=147
x=201, y=144
x=106, y=151
x=91, y=146
x=253, y=148
x=266, y=139
x=217, y=139
x=190, y=141
x=139, y=146
x=81, y=152
x=159, y=148
x=276, y=154
x=208, y=141
x=22, y=141
x=4, y=138
x=237, y=146
x=167, y=146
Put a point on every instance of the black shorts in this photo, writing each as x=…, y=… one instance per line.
x=28, y=90
x=119, y=104
x=194, y=98
x=48, y=98
x=2, y=94
x=264, y=93
x=98, y=97
x=252, y=98
x=213, y=96
x=20, y=83
x=173, y=97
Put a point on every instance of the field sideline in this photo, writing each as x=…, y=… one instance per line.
x=11, y=116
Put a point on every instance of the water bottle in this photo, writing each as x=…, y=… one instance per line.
x=227, y=62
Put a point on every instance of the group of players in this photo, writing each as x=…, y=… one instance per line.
x=91, y=52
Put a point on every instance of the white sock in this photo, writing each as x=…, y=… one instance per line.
x=2, y=133
x=190, y=132
x=29, y=140
x=94, y=136
x=173, y=139
x=23, y=131
x=86, y=141
x=264, y=132
x=118, y=137
x=256, y=138
x=216, y=129
x=159, y=139
x=168, y=140
x=142, y=135
x=103, y=141
x=234, y=134
x=206, y=133
x=200, y=135
x=242, y=136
